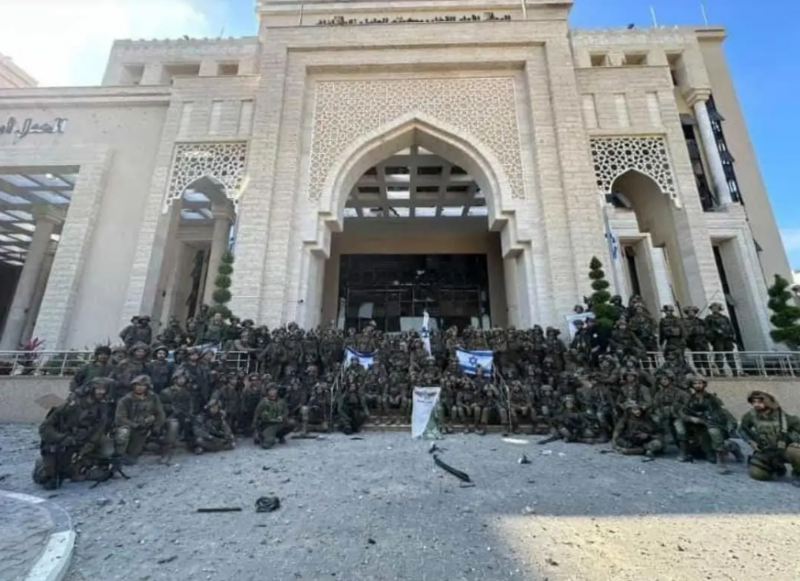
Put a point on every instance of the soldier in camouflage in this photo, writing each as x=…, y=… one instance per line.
x=721, y=335
x=696, y=339
x=774, y=437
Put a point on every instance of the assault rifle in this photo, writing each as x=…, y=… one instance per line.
x=113, y=466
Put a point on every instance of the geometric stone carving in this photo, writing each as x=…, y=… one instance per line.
x=484, y=108
x=225, y=162
x=613, y=156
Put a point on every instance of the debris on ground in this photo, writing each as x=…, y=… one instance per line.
x=463, y=476
x=524, y=459
x=268, y=504
x=167, y=560
x=221, y=509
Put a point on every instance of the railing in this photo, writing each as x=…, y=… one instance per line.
x=746, y=363
x=67, y=363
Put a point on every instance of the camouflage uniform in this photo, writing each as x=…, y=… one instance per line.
x=352, y=410
x=708, y=421
x=178, y=406
x=172, y=336
x=98, y=367
x=671, y=332
x=271, y=421
x=134, y=365
x=668, y=401
x=73, y=436
x=636, y=433
x=210, y=430
x=774, y=436
x=161, y=370
x=721, y=335
x=140, y=416
x=696, y=339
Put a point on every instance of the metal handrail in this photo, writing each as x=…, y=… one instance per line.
x=746, y=363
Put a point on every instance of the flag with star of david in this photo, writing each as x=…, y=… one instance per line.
x=425, y=332
x=365, y=359
x=468, y=361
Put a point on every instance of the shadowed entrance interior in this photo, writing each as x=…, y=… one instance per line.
x=415, y=237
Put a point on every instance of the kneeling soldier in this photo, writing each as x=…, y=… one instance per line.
x=139, y=417
x=774, y=436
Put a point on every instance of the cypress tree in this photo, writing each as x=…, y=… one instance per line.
x=785, y=316
x=604, y=313
x=222, y=283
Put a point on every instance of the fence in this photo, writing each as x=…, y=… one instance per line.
x=746, y=363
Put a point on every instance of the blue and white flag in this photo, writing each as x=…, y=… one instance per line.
x=611, y=239
x=365, y=359
x=468, y=361
x=214, y=347
x=425, y=332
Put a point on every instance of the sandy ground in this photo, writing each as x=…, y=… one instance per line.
x=378, y=509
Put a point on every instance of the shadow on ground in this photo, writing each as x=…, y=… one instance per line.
x=378, y=509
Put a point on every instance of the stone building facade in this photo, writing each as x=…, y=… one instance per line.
x=560, y=135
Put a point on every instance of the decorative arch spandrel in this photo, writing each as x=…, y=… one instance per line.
x=615, y=156
x=225, y=162
x=346, y=110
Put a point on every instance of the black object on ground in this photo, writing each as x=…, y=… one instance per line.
x=268, y=504
x=463, y=476
x=524, y=459
x=221, y=509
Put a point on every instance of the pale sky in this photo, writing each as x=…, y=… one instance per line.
x=67, y=42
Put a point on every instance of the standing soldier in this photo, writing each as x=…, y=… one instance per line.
x=161, y=369
x=671, y=333
x=696, y=340
x=721, y=336
x=99, y=366
x=774, y=436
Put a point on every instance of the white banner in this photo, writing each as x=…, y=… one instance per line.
x=577, y=317
x=424, y=422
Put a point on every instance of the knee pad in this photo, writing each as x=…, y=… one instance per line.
x=122, y=435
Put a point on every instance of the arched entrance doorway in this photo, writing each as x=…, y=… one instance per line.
x=421, y=205
x=415, y=238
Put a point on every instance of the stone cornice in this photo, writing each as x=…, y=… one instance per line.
x=76, y=96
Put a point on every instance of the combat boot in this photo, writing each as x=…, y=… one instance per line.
x=736, y=450
x=683, y=451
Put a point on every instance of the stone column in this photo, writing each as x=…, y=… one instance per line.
x=46, y=222
x=713, y=157
x=41, y=286
x=223, y=218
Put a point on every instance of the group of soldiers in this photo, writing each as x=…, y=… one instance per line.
x=599, y=387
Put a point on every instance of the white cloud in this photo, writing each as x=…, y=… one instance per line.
x=67, y=42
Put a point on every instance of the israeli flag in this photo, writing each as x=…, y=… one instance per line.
x=425, y=332
x=611, y=238
x=215, y=347
x=365, y=359
x=468, y=361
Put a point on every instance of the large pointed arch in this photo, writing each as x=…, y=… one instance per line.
x=434, y=135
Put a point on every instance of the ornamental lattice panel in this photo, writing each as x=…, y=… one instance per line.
x=224, y=162
x=482, y=107
x=613, y=156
